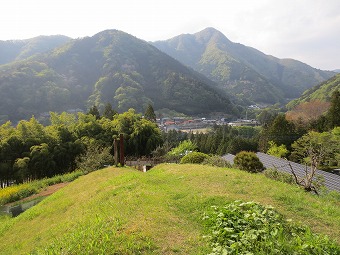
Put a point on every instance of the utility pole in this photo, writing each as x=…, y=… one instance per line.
x=119, y=153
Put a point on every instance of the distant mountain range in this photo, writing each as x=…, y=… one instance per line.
x=21, y=49
x=109, y=67
x=56, y=73
x=251, y=75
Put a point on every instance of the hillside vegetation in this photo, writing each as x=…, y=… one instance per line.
x=20, y=49
x=123, y=211
x=109, y=67
x=322, y=92
x=243, y=71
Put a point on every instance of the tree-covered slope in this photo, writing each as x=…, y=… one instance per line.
x=20, y=49
x=322, y=92
x=109, y=67
x=244, y=71
x=124, y=211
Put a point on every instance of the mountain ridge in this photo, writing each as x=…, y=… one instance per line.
x=13, y=50
x=241, y=69
x=109, y=67
x=322, y=92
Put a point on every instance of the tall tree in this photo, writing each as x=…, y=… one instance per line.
x=95, y=112
x=280, y=131
x=109, y=112
x=333, y=115
x=150, y=113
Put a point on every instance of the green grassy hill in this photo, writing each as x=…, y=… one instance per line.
x=123, y=211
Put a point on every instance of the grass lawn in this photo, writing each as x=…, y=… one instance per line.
x=123, y=211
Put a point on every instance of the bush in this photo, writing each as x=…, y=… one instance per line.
x=216, y=161
x=248, y=161
x=94, y=158
x=194, y=158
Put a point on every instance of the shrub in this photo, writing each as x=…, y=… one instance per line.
x=94, y=158
x=279, y=176
x=277, y=151
x=250, y=228
x=194, y=158
x=216, y=161
x=248, y=161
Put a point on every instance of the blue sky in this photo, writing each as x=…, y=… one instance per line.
x=306, y=30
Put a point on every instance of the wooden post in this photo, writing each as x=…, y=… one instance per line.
x=121, y=151
x=115, y=144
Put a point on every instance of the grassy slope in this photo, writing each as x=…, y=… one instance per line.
x=122, y=211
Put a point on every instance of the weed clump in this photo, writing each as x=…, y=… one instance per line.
x=279, y=176
x=250, y=228
x=216, y=161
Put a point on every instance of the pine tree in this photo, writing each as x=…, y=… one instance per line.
x=109, y=112
x=150, y=114
x=94, y=111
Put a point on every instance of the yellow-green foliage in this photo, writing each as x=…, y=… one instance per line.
x=16, y=192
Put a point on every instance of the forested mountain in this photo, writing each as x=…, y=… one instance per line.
x=109, y=67
x=244, y=71
x=322, y=92
x=20, y=49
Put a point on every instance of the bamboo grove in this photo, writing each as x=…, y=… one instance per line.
x=31, y=151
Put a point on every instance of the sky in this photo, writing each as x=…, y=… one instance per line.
x=305, y=30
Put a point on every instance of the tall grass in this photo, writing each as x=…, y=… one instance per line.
x=16, y=192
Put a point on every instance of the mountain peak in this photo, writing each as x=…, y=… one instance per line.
x=246, y=72
x=211, y=33
x=210, y=30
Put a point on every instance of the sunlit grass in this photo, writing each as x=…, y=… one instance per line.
x=19, y=191
x=158, y=212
